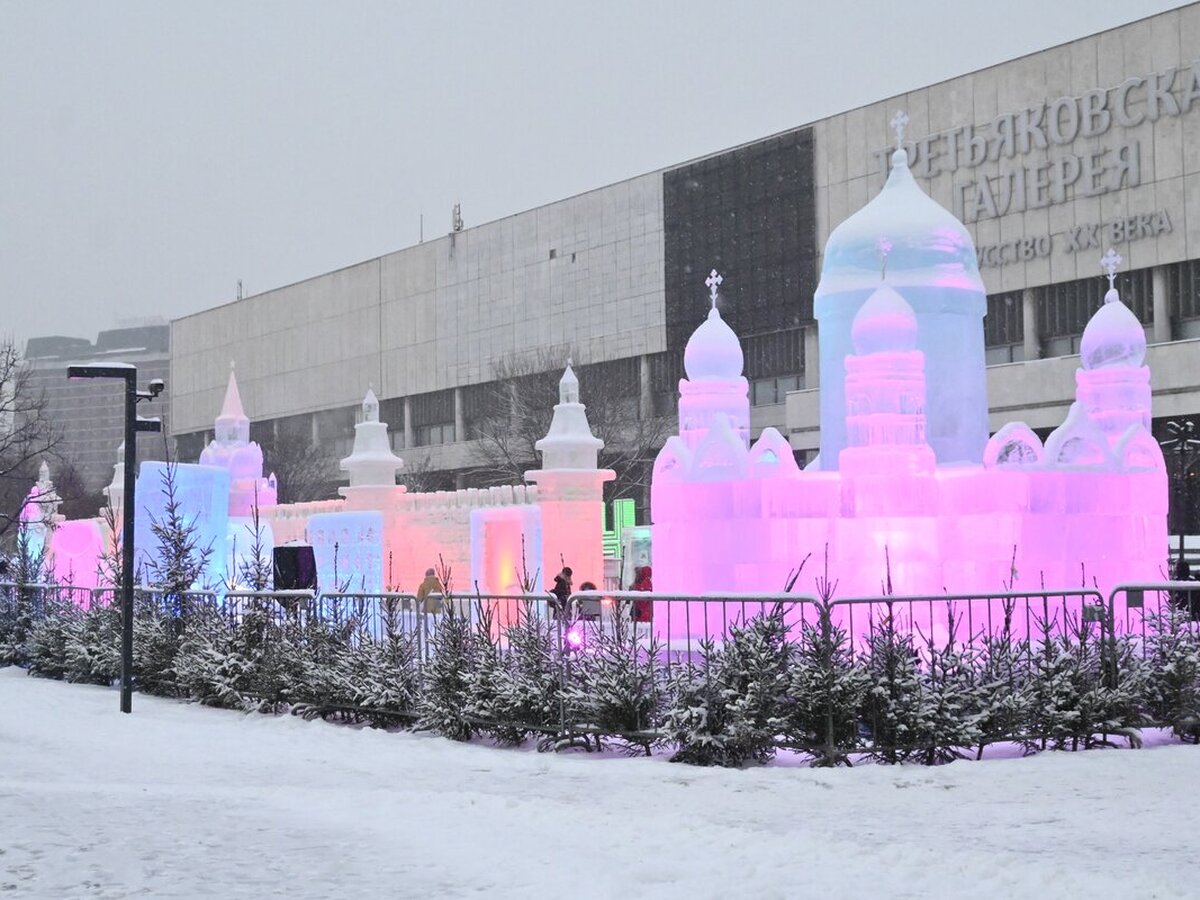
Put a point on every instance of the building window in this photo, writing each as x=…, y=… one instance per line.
x=1183, y=289
x=1005, y=322
x=769, y=391
x=430, y=435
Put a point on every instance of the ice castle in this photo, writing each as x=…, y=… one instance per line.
x=909, y=493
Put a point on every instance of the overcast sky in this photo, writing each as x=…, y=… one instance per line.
x=153, y=153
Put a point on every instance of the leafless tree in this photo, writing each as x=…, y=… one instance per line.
x=79, y=501
x=302, y=470
x=419, y=476
x=520, y=406
x=26, y=433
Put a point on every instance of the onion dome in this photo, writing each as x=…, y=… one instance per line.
x=1114, y=337
x=885, y=323
x=929, y=245
x=713, y=352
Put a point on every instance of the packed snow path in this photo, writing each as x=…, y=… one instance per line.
x=182, y=801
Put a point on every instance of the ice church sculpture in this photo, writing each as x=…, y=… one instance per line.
x=908, y=487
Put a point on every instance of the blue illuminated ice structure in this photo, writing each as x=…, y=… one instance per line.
x=348, y=548
x=931, y=260
x=202, y=493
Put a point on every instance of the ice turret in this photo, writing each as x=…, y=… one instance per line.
x=371, y=463
x=1112, y=385
x=42, y=502
x=570, y=489
x=570, y=443
x=232, y=449
x=714, y=386
x=932, y=259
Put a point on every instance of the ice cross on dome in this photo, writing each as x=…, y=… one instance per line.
x=713, y=281
x=1109, y=261
x=899, y=120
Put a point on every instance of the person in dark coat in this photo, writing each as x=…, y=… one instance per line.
x=643, y=610
x=561, y=591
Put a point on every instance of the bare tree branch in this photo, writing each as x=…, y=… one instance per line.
x=521, y=405
x=303, y=472
x=26, y=433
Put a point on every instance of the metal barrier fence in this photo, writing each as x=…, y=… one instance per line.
x=966, y=619
x=667, y=630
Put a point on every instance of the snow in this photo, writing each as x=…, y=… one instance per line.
x=177, y=800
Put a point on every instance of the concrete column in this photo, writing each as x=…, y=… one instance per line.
x=460, y=422
x=645, y=396
x=812, y=358
x=408, y=424
x=1030, y=338
x=1162, y=305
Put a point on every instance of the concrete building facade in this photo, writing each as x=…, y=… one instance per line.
x=1049, y=159
x=90, y=414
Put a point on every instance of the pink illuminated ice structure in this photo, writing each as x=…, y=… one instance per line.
x=570, y=489
x=909, y=491
x=232, y=449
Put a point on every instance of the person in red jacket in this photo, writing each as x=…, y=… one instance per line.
x=643, y=610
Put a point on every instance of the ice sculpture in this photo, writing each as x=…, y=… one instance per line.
x=911, y=496
x=570, y=489
x=931, y=260
x=348, y=547
x=39, y=513
x=203, y=497
x=506, y=549
x=232, y=449
x=371, y=462
x=76, y=549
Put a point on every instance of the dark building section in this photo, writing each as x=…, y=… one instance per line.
x=751, y=214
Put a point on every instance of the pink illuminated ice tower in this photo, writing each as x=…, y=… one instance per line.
x=232, y=449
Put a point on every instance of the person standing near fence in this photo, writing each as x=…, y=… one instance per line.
x=561, y=592
x=429, y=594
x=643, y=610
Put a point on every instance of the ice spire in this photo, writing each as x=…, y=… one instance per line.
x=371, y=463
x=569, y=444
x=232, y=425
x=370, y=405
x=899, y=121
x=568, y=386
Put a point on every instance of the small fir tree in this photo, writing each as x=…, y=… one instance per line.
x=176, y=568
x=827, y=689
x=896, y=708
x=445, y=687
x=1173, y=672
x=619, y=686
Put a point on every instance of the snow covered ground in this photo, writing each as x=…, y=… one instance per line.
x=181, y=801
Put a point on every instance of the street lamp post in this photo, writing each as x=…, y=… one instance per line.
x=1183, y=446
x=133, y=426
